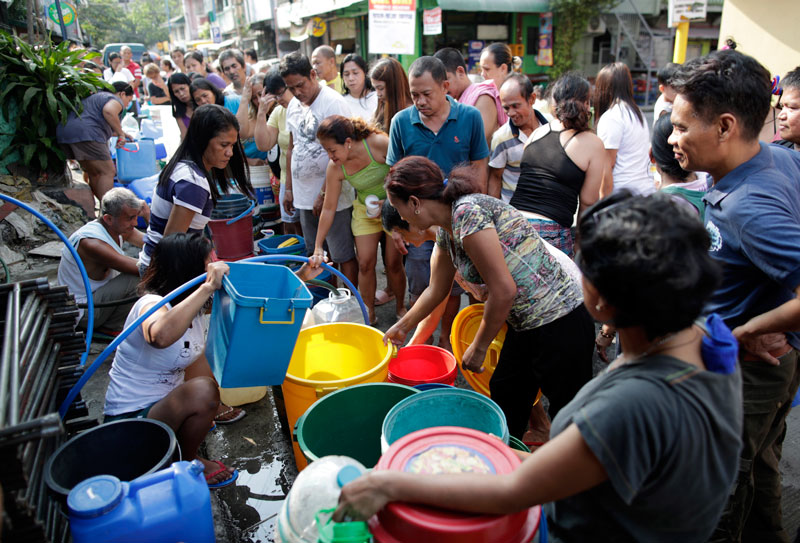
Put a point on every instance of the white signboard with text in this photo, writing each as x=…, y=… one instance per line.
x=392, y=27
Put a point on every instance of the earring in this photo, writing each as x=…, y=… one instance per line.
x=599, y=307
x=348, y=147
x=416, y=212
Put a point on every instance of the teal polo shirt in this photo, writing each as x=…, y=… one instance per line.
x=461, y=138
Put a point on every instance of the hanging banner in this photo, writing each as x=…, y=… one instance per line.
x=683, y=11
x=432, y=21
x=69, y=14
x=474, y=50
x=545, y=56
x=392, y=27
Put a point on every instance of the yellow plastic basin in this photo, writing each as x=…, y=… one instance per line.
x=328, y=357
x=462, y=334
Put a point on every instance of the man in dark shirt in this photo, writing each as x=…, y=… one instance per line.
x=789, y=118
x=753, y=218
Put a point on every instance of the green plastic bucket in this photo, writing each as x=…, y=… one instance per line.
x=518, y=445
x=348, y=422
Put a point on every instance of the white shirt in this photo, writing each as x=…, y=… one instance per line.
x=141, y=374
x=68, y=273
x=123, y=75
x=620, y=129
x=661, y=107
x=362, y=107
x=309, y=159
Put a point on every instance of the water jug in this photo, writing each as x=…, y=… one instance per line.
x=316, y=488
x=341, y=307
x=173, y=504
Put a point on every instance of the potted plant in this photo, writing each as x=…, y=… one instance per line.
x=39, y=87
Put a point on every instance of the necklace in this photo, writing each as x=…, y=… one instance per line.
x=624, y=360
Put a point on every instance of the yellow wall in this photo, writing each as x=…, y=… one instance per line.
x=767, y=31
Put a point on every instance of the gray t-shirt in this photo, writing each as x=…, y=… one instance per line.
x=668, y=436
x=91, y=125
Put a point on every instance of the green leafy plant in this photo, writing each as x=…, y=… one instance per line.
x=45, y=84
x=571, y=18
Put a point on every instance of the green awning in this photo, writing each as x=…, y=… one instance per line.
x=511, y=6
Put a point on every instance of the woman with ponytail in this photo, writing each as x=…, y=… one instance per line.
x=562, y=166
x=497, y=63
x=357, y=152
x=494, y=253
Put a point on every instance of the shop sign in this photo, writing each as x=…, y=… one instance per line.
x=684, y=11
x=392, y=27
x=67, y=11
x=545, y=57
x=432, y=21
x=474, y=49
x=317, y=27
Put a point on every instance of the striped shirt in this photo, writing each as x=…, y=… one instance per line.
x=187, y=187
x=507, y=144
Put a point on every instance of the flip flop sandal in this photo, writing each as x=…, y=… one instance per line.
x=226, y=482
x=219, y=419
x=382, y=297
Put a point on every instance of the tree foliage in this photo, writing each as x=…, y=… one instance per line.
x=45, y=84
x=144, y=21
x=572, y=17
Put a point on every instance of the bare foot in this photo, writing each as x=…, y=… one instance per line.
x=444, y=343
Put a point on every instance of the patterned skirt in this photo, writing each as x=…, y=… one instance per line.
x=556, y=235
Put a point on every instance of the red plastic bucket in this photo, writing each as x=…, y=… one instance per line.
x=232, y=241
x=429, y=451
x=421, y=364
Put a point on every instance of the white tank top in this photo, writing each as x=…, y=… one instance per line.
x=141, y=374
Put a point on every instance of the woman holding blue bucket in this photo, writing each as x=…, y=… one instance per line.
x=497, y=256
x=648, y=450
x=160, y=371
x=209, y=161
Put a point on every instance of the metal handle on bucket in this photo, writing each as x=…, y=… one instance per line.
x=244, y=213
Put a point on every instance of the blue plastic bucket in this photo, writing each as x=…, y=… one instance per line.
x=431, y=386
x=269, y=246
x=444, y=407
x=255, y=320
x=136, y=160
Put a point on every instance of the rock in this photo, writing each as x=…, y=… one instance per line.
x=9, y=256
x=22, y=225
x=51, y=249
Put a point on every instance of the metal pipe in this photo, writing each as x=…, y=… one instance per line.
x=15, y=360
x=5, y=364
x=38, y=334
x=40, y=384
x=28, y=317
x=27, y=381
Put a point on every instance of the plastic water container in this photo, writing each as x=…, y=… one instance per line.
x=260, y=180
x=173, y=504
x=341, y=307
x=255, y=320
x=151, y=129
x=137, y=160
x=444, y=407
x=450, y=450
x=269, y=246
x=421, y=364
x=316, y=488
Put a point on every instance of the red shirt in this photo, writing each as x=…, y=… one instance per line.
x=136, y=70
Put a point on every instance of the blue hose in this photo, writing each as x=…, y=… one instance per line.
x=81, y=267
x=244, y=213
x=75, y=390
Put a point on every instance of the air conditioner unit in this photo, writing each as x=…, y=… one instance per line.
x=596, y=25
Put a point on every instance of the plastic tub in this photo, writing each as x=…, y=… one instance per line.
x=445, y=407
x=260, y=180
x=420, y=364
x=269, y=246
x=462, y=334
x=255, y=320
x=431, y=386
x=430, y=451
x=339, y=424
x=232, y=241
x=328, y=357
x=126, y=449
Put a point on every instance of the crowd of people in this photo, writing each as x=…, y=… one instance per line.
x=555, y=222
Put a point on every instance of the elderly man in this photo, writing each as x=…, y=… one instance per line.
x=789, y=118
x=517, y=97
x=112, y=274
x=133, y=68
x=323, y=60
x=233, y=65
